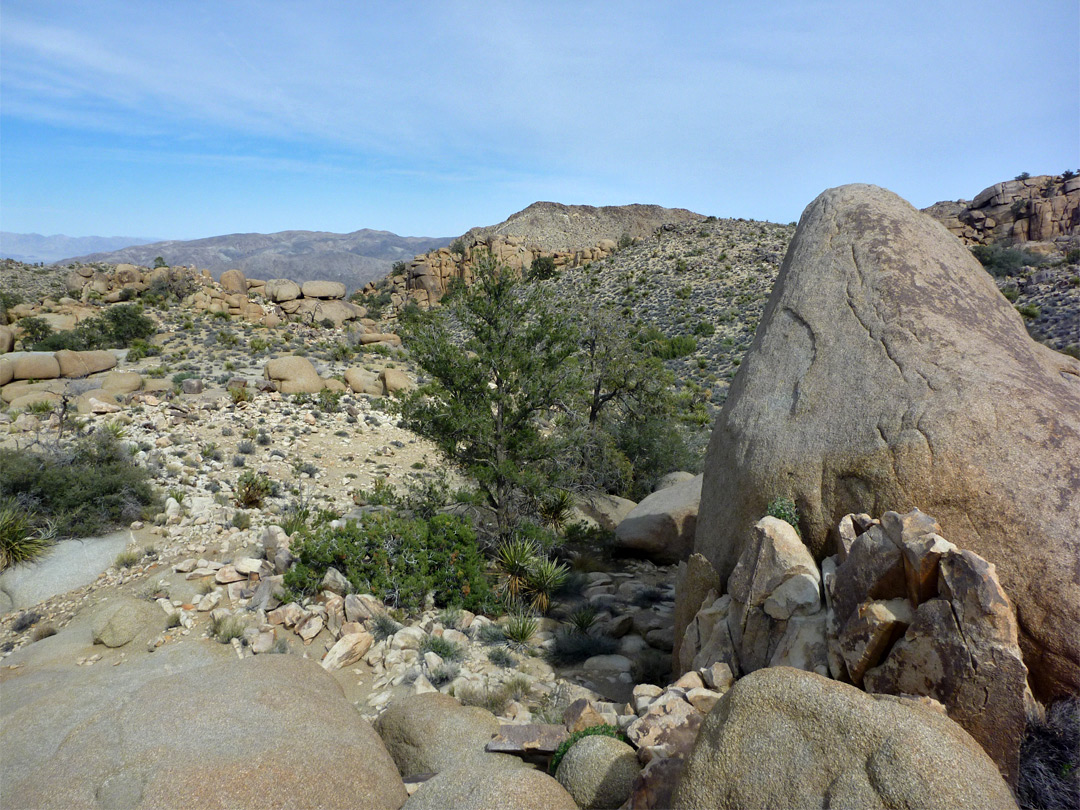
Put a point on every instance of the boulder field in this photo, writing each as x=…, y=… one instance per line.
x=889, y=372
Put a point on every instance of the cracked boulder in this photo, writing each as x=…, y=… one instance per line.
x=887, y=372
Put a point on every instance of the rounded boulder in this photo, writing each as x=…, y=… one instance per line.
x=294, y=375
x=782, y=737
x=599, y=772
x=470, y=787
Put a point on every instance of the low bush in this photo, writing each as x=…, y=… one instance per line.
x=253, y=488
x=572, y=647
x=1002, y=261
x=784, y=509
x=398, y=559
x=442, y=647
x=1050, y=759
x=520, y=629
x=116, y=328
x=81, y=490
x=651, y=666
x=501, y=657
x=383, y=626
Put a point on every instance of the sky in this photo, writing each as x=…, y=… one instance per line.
x=185, y=119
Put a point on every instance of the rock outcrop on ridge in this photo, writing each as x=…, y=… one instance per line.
x=888, y=372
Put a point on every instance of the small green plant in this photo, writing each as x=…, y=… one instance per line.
x=542, y=268
x=330, y=401
x=442, y=647
x=519, y=629
x=245, y=447
x=501, y=657
x=172, y=620
x=226, y=628
x=241, y=520
x=451, y=617
x=491, y=634
x=253, y=488
x=572, y=647
x=442, y=674
x=582, y=620
x=20, y=540
x=1030, y=311
x=568, y=743
x=239, y=394
x=383, y=626
x=127, y=558
x=784, y=509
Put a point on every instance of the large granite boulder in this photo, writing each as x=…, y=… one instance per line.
x=786, y=738
x=433, y=732
x=889, y=372
x=187, y=726
x=294, y=375
x=599, y=772
x=662, y=526
x=280, y=290
x=82, y=364
x=233, y=281
x=478, y=788
x=323, y=289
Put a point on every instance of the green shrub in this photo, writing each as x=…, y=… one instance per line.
x=496, y=699
x=127, y=558
x=1002, y=261
x=1029, y=310
x=253, y=488
x=520, y=628
x=704, y=329
x=117, y=327
x=501, y=657
x=85, y=488
x=34, y=329
x=226, y=628
x=442, y=647
x=398, y=559
x=568, y=743
x=542, y=268
x=491, y=634
x=784, y=509
x=383, y=626
x=451, y=617
x=241, y=520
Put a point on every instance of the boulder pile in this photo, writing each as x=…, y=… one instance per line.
x=897, y=610
x=1036, y=209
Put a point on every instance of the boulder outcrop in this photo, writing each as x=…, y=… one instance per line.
x=1035, y=209
x=889, y=372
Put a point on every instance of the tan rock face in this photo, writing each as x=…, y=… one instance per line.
x=785, y=738
x=294, y=375
x=662, y=526
x=7, y=340
x=280, y=290
x=81, y=364
x=1035, y=209
x=233, y=281
x=395, y=381
x=364, y=382
x=943, y=362
x=35, y=366
x=323, y=289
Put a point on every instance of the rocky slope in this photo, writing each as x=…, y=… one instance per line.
x=558, y=227
x=351, y=258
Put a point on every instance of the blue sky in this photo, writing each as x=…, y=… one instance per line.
x=190, y=119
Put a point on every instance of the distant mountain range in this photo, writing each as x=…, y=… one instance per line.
x=33, y=247
x=351, y=258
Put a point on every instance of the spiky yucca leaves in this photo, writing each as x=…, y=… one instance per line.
x=515, y=558
x=546, y=577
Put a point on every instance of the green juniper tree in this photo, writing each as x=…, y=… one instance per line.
x=494, y=394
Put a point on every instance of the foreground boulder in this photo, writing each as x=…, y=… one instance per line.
x=477, y=788
x=787, y=738
x=662, y=526
x=889, y=372
x=271, y=731
x=432, y=732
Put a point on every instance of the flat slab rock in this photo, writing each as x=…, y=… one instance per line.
x=529, y=738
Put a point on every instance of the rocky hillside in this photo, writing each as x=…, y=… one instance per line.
x=558, y=227
x=33, y=247
x=351, y=258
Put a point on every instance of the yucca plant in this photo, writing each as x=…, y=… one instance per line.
x=582, y=620
x=546, y=577
x=20, y=541
x=556, y=508
x=516, y=559
x=520, y=628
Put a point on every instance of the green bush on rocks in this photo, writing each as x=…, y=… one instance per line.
x=399, y=560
